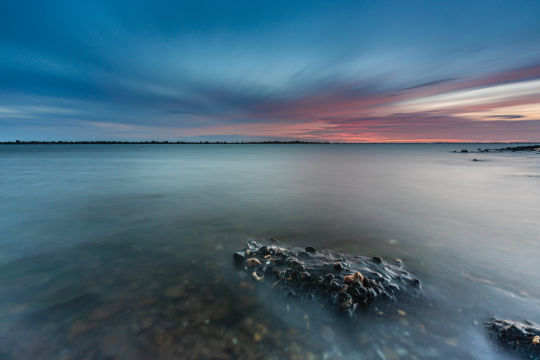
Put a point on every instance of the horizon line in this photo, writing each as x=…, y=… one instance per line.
x=182, y=142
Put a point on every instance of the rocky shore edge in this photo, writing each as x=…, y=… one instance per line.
x=522, y=148
x=521, y=337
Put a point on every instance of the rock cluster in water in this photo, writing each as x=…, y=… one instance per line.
x=338, y=281
x=524, y=338
x=521, y=148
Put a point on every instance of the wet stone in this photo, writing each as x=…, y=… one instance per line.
x=338, y=266
x=253, y=262
x=310, y=249
x=341, y=282
x=334, y=284
x=521, y=337
x=239, y=257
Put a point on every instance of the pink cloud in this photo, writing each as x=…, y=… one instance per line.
x=345, y=113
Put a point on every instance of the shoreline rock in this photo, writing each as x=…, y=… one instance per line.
x=338, y=281
x=521, y=337
x=522, y=148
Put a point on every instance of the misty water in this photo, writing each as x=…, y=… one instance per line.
x=124, y=251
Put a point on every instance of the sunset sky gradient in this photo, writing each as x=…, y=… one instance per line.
x=344, y=71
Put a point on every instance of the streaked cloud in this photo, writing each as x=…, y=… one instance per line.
x=473, y=98
x=345, y=71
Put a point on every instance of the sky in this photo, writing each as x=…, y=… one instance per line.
x=339, y=71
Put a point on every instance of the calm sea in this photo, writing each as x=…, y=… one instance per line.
x=124, y=251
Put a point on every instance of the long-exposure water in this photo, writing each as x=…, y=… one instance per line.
x=124, y=251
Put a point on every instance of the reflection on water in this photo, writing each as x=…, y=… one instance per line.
x=125, y=251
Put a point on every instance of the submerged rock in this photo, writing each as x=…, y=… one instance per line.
x=338, y=281
x=239, y=257
x=523, y=338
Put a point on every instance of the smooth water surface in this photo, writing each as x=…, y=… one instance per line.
x=124, y=251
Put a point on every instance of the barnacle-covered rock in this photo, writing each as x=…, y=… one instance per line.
x=522, y=337
x=338, y=281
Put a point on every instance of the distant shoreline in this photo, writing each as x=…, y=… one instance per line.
x=155, y=142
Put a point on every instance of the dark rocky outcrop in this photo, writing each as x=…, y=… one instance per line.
x=517, y=148
x=338, y=281
x=521, y=148
x=522, y=337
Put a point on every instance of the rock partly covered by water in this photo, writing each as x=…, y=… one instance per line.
x=523, y=338
x=516, y=148
x=338, y=281
x=521, y=148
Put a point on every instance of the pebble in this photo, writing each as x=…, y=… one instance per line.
x=257, y=277
x=356, y=277
x=239, y=257
x=253, y=262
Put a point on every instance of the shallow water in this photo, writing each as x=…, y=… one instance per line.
x=124, y=251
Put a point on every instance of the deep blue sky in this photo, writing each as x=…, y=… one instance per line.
x=335, y=70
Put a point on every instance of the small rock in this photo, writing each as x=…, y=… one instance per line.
x=239, y=257
x=338, y=266
x=311, y=249
x=356, y=277
x=377, y=259
x=257, y=277
x=252, y=262
x=334, y=285
x=295, y=264
x=346, y=304
x=522, y=337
